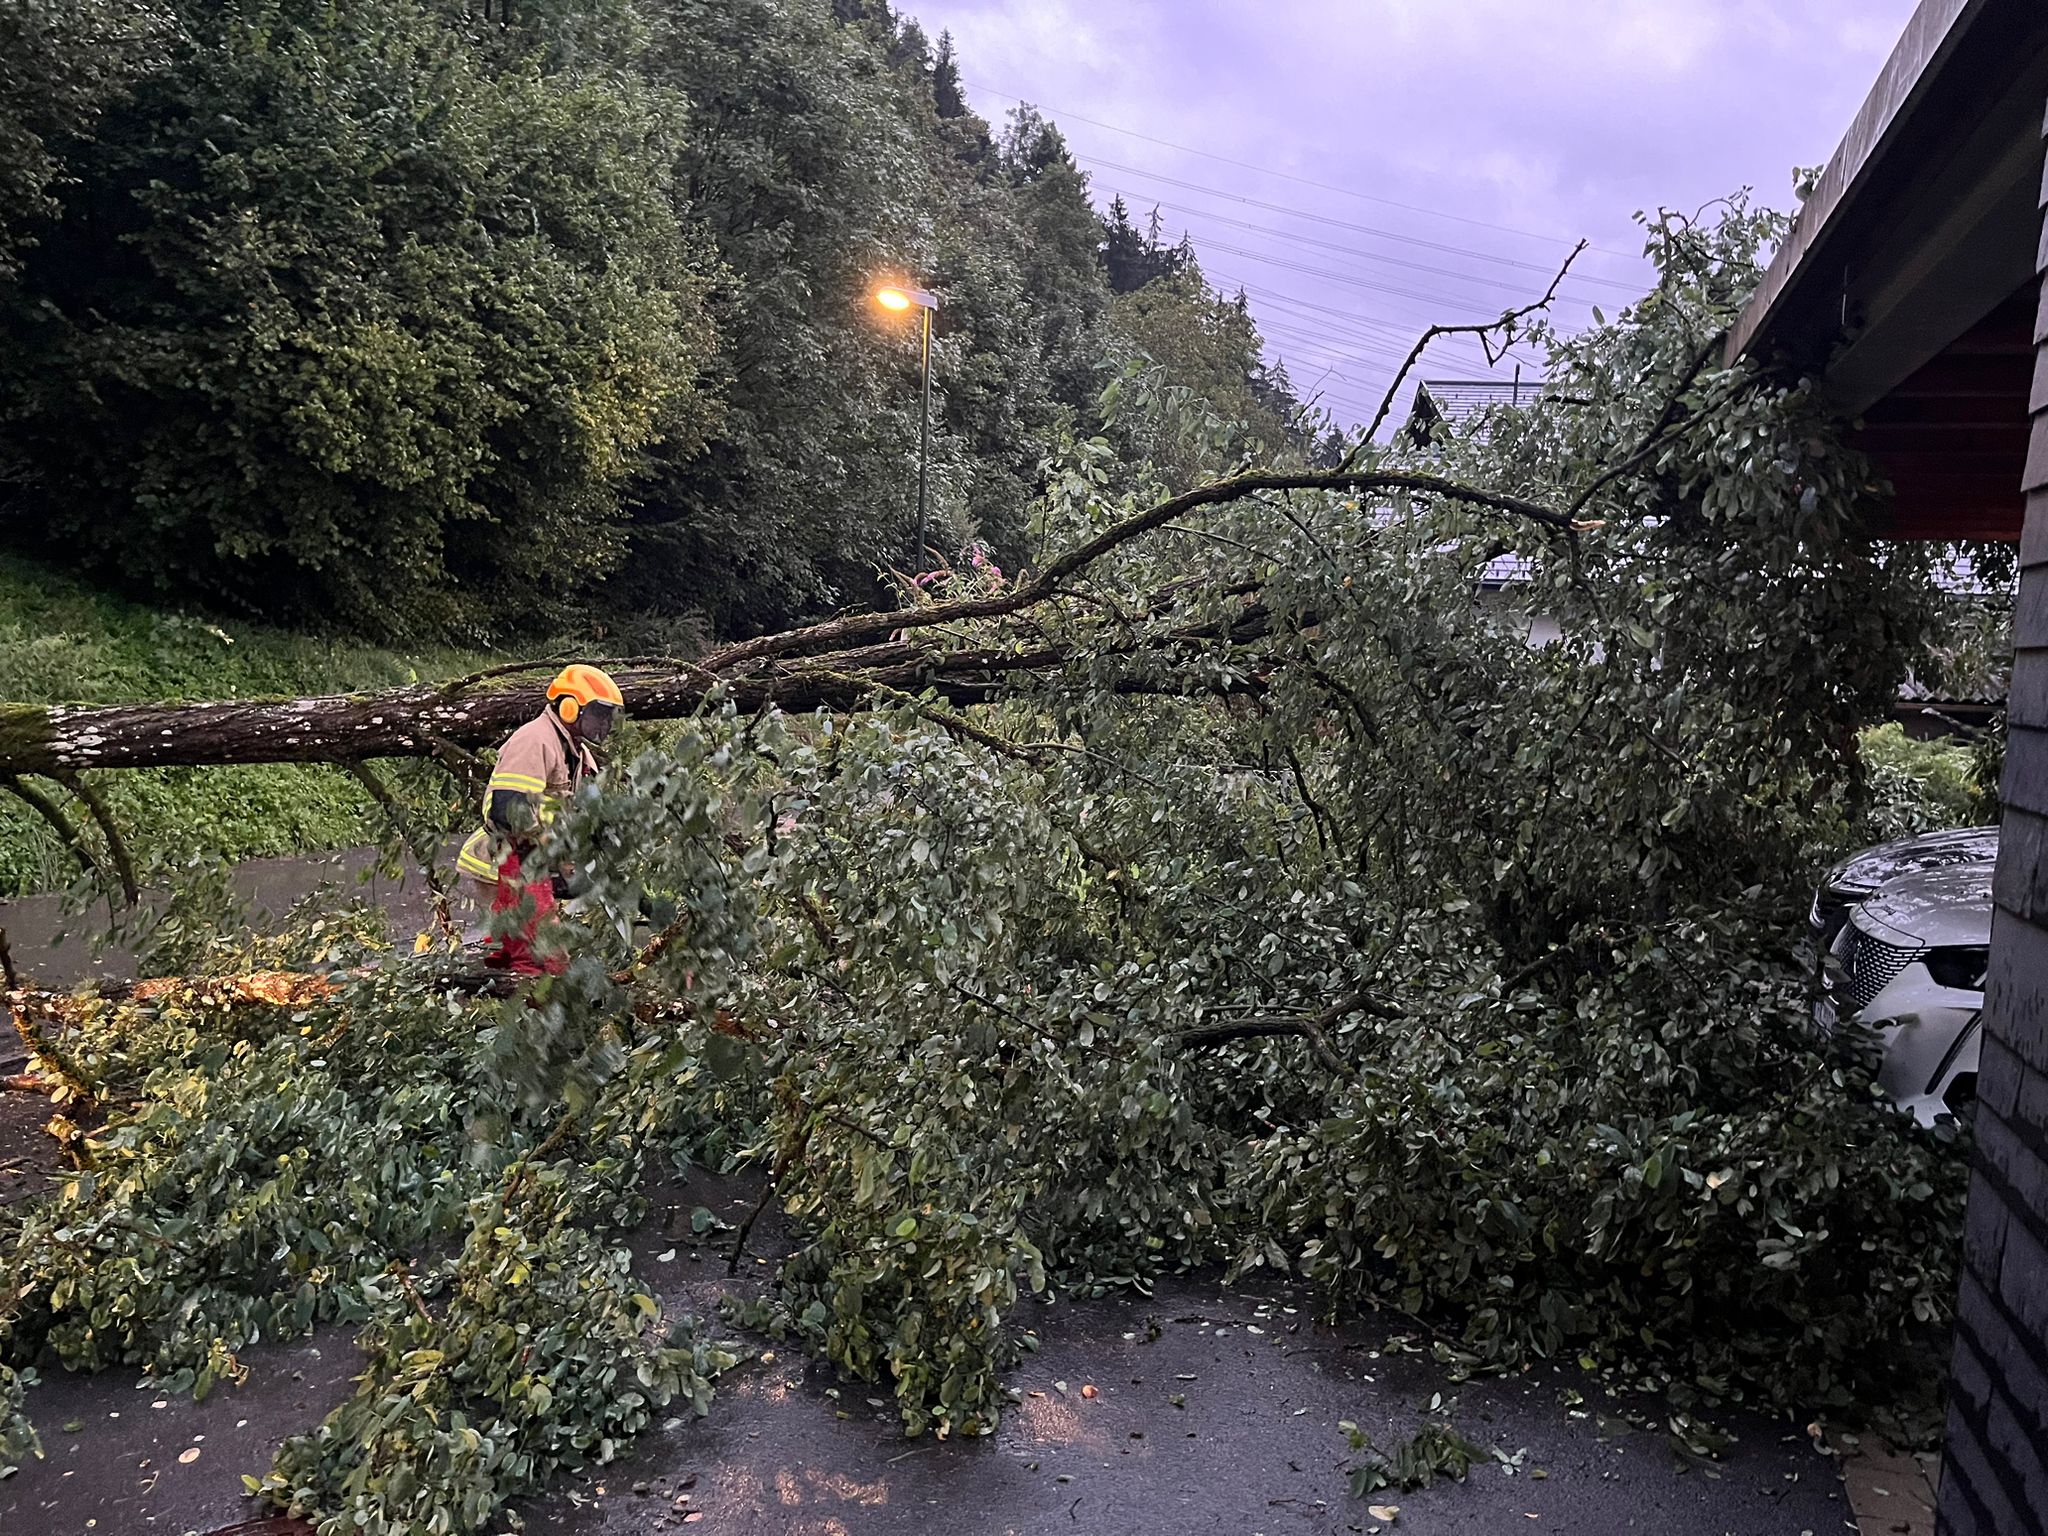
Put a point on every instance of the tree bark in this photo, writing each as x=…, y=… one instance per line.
x=410, y=722
x=429, y=719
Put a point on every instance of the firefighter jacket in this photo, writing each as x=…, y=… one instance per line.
x=539, y=761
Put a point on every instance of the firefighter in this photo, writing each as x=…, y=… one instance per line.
x=540, y=764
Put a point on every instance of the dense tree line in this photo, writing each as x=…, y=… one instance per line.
x=468, y=316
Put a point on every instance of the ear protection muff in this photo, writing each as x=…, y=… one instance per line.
x=567, y=707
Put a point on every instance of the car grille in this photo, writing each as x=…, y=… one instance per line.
x=1869, y=965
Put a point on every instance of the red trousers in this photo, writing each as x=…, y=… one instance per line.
x=519, y=952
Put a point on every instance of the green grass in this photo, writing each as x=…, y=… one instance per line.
x=62, y=642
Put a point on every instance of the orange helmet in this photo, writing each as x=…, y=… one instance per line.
x=576, y=687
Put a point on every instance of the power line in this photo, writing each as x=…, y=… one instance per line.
x=1352, y=408
x=1378, y=352
x=1383, y=358
x=1352, y=252
x=1331, y=355
x=1346, y=278
x=1355, y=253
x=1402, y=333
x=1385, y=331
x=1386, y=355
x=1374, y=382
x=1310, y=352
x=1267, y=170
x=1331, y=371
x=1344, y=407
x=1364, y=350
x=1633, y=289
x=1364, y=327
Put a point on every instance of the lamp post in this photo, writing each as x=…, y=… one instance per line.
x=893, y=296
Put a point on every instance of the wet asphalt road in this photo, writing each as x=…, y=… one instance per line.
x=49, y=955
x=1251, y=1446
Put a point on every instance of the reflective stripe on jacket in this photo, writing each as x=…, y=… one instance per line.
x=475, y=858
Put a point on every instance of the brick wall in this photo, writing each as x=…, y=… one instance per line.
x=1995, y=1472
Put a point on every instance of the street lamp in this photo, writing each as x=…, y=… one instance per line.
x=893, y=296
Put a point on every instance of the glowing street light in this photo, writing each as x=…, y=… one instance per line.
x=898, y=298
x=889, y=296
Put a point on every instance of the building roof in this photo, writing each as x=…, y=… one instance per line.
x=1907, y=285
x=1454, y=400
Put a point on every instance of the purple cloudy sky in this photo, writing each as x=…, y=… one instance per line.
x=1403, y=161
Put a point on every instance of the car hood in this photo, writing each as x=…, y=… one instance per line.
x=1874, y=868
x=1934, y=909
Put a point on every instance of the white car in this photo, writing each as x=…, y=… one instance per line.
x=1904, y=936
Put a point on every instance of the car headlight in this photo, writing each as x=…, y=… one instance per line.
x=1962, y=967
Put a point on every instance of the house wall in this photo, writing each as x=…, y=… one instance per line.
x=1995, y=1469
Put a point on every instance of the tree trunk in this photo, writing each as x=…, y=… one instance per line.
x=413, y=721
x=426, y=719
x=785, y=669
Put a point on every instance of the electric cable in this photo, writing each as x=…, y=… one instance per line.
x=1352, y=251
x=1287, y=211
x=1307, y=181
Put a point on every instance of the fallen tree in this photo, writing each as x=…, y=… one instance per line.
x=1236, y=889
x=481, y=709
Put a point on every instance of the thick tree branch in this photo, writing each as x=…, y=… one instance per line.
x=449, y=720
x=858, y=626
x=422, y=721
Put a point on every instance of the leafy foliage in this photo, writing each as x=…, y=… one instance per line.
x=545, y=1357
x=229, y=1199
x=820, y=163
x=1210, y=346
x=232, y=1201
x=1920, y=786
x=1433, y=1451
x=18, y=1438
x=1133, y=259
x=1678, y=1171
x=62, y=63
x=343, y=318
x=412, y=319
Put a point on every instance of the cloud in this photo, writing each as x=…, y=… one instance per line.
x=1497, y=129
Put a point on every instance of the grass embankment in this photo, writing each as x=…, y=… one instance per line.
x=62, y=642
